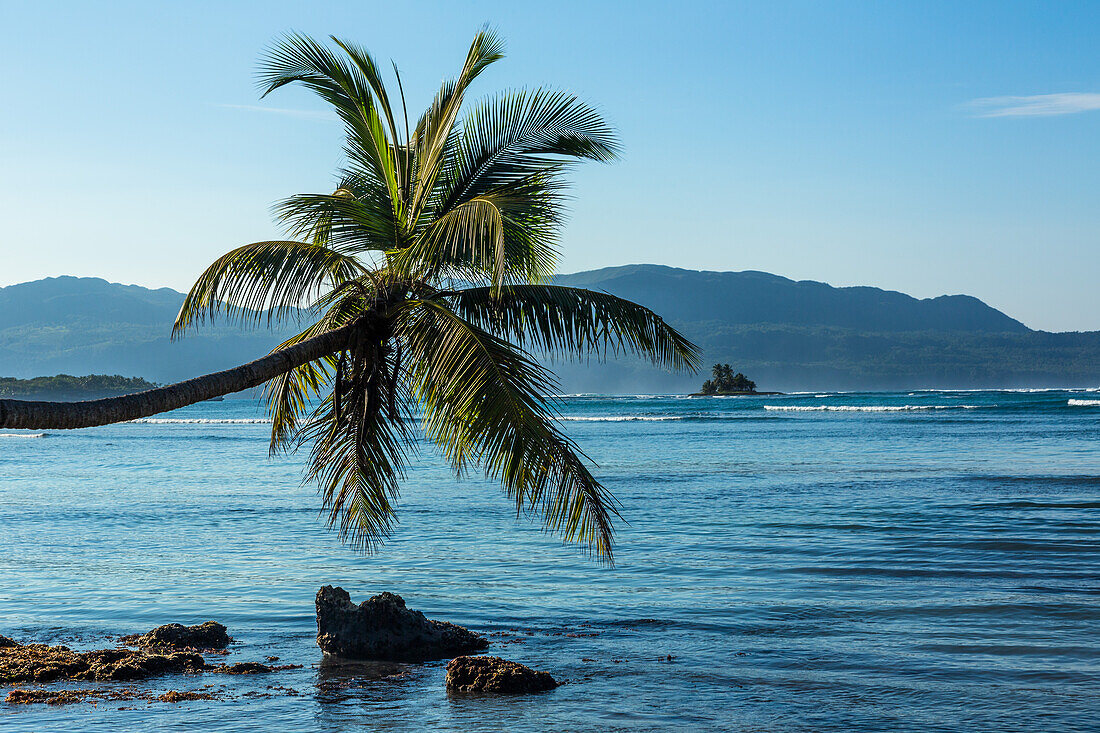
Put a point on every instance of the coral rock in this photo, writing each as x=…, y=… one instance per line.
x=42, y=663
x=208, y=635
x=493, y=674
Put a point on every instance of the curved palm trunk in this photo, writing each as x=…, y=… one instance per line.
x=68, y=415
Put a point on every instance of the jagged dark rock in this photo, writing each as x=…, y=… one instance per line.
x=382, y=628
x=493, y=674
x=208, y=635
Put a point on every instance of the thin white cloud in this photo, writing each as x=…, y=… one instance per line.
x=303, y=114
x=1037, y=105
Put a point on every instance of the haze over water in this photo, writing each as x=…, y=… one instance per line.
x=860, y=561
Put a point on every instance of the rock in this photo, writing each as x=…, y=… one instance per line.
x=42, y=663
x=50, y=697
x=66, y=697
x=247, y=668
x=493, y=674
x=186, y=695
x=381, y=628
x=208, y=635
x=124, y=664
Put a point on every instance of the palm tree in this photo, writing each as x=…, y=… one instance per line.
x=426, y=277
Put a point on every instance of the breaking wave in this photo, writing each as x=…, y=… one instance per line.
x=201, y=421
x=1084, y=403
x=623, y=418
x=23, y=435
x=866, y=408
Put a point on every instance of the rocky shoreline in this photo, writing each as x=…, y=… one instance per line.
x=173, y=649
x=379, y=630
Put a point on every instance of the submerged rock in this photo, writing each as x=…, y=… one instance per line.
x=42, y=663
x=250, y=668
x=208, y=635
x=493, y=674
x=69, y=696
x=382, y=628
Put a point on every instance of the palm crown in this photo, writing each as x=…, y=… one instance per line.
x=438, y=242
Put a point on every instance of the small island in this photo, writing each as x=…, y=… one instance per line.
x=67, y=388
x=725, y=382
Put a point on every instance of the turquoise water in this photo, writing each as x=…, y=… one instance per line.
x=876, y=561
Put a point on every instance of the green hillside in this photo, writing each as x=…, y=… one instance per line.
x=67, y=387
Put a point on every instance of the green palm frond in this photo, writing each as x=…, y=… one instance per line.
x=435, y=130
x=361, y=432
x=518, y=134
x=358, y=459
x=350, y=89
x=508, y=235
x=483, y=402
x=349, y=223
x=290, y=395
x=467, y=241
x=574, y=322
x=364, y=62
x=264, y=280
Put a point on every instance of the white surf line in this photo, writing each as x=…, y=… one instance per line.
x=200, y=421
x=621, y=418
x=866, y=408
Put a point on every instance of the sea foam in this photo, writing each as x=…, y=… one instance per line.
x=866, y=408
x=23, y=435
x=1084, y=403
x=622, y=418
x=200, y=421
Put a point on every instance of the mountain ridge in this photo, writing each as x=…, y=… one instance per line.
x=784, y=334
x=743, y=298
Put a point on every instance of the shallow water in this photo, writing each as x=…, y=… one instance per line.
x=899, y=561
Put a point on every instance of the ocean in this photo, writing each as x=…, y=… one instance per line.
x=900, y=561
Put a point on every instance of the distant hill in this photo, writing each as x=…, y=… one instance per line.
x=785, y=335
x=757, y=298
x=89, y=326
x=803, y=335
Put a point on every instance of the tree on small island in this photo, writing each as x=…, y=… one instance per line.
x=726, y=381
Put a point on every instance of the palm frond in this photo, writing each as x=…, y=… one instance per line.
x=508, y=235
x=351, y=90
x=264, y=280
x=358, y=458
x=351, y=220
x=574, y=322
x=360, y=433
x=469, y=239
x=435, y=130
x=290, y=394
x=483, y=402
x=517, y=134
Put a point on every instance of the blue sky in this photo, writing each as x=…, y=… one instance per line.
x=924, y=147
